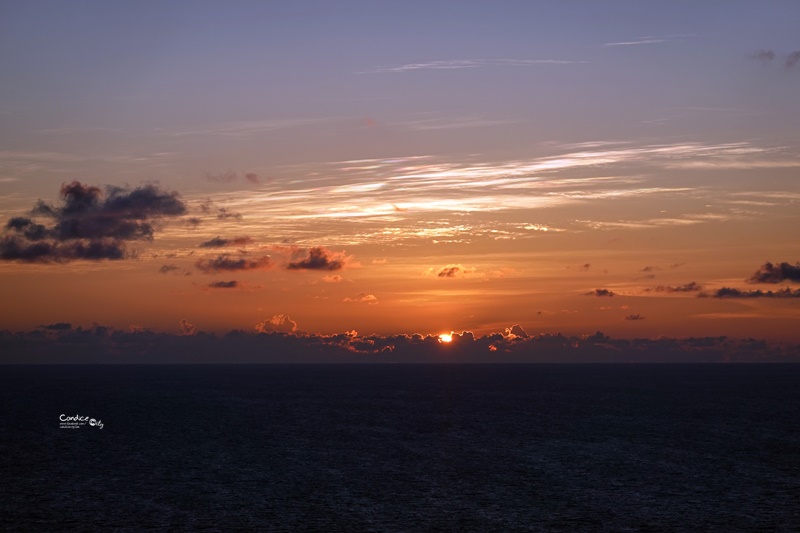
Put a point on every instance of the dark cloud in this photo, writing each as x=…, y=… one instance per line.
x=770, y=273
x=650, y=268
x=15, y=249
x=448, y=272
x=194, y=221
x=516, y=331
x=277, y=340
x=317, y=258
x=252, y=177
x=634, y=317
x=453, y=271
x=218, y=242
x=692, y=286
x=88, y=224
x=166, y=269
x=225, y=214
x=792, y=59
x=223, y=284
x=600, y=292
x=58, y=326
x=226, y=263
x=222, y=213
x=765, y=56
x=729, y=292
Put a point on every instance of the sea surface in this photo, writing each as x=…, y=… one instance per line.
x=401, y=448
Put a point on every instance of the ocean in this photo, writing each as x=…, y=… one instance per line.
x=401, y=447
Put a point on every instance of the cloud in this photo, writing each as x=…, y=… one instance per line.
x=222, y=213
x=516, y=331
x=451, y=64
x=224, y=177
x=186, y=328
x=225, y=263
x=765, y=56
x=225, y=214
x=600, y=292
x=88, y=224
x=454, y=271
x=363, y=298
x=252, y=177
x=792, y=59
x=637, y=42
x=318, y=258
x=770, y=273
x=692, y=286
x=218, y=242
x=336, y=278
x=634, y=317
x=277, y=324
x=166, y=269
x=58, y=326
x=729, y=292
x=223, y=284
x=276, y=340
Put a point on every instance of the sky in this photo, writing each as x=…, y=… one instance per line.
x=398, y=168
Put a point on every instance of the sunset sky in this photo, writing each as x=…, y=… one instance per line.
x=402, y=167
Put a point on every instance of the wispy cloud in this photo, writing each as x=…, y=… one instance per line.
x=636, y=42
x=451, y=64
x=386, y=200
x=650, y=39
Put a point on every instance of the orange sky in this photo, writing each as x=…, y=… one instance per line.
x=573, y=189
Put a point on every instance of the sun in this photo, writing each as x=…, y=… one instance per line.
x=445, y=337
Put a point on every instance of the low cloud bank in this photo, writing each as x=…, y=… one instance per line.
x=278, y=341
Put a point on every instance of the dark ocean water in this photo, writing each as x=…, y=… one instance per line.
x=402, y=448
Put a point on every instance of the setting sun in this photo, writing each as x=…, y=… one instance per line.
x=445, y=337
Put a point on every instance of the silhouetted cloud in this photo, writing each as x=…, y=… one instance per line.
x=218, y=242
x=600, y=292
x=58, y=326
x=276, y=340
x=729, y=292
x=223, y=284
x=516, y=331
x=88, y=224
x=692, y=286
x=317, y=258
x=252, y=177
x=770, y=273
x=166, y=269
x=634, y=317
x=226, y=263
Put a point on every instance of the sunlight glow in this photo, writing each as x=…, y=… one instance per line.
x=445, y=337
